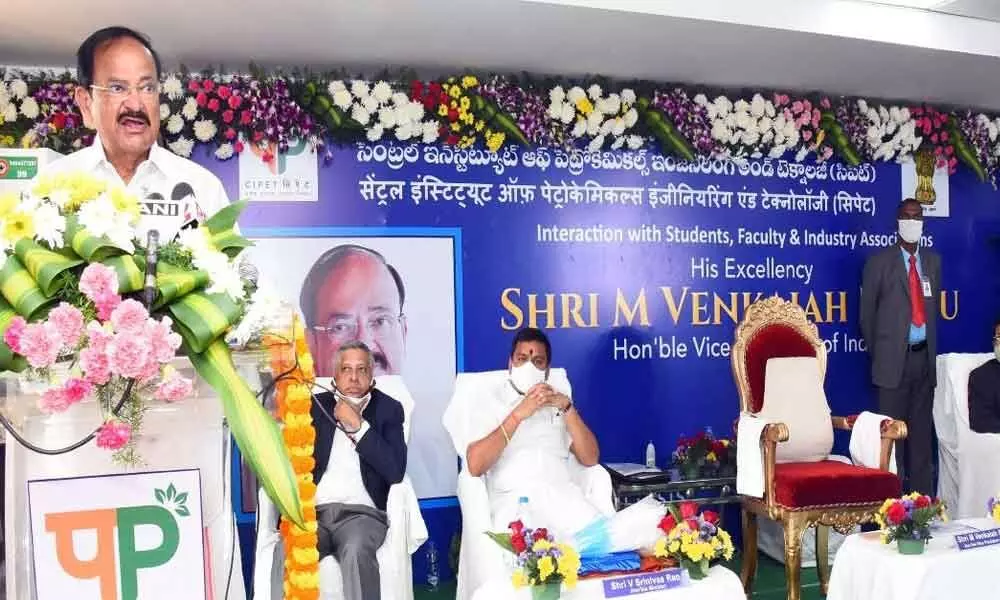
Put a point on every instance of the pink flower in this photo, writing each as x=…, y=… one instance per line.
x=106, y=305
x=12, y=336
x=174, y=388
x=129, y=317
x=113, y=435
x=806, y=135
x=98, y=282
x=95, y=365
x=797, y=106
x=76, y=389
x=68, y=320
x=816, y=117
x=40, y=344
x=807, y=106
x=128, y=355
x=54, y=400
x=162, y=339
x=788, y=115
x=825, y=103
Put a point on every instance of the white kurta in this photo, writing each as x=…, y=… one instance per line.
x=533, y=465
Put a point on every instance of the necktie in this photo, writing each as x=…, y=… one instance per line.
x=916, y=294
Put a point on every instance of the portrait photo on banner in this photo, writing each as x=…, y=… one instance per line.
x=395, y=293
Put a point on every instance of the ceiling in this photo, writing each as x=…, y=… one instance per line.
x=842, y=46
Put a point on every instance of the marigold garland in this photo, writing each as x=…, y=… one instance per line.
x=289, y=356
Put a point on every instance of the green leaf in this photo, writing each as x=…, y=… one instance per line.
x=171, y=492
x=503, y=539
x=160, y=496
x=183, y=511
x=181, y=498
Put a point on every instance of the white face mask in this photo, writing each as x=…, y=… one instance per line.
x=352, y=400
x=910, y=230
x=525, y=376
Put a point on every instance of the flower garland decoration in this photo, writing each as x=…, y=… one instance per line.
x=291, y=361
x=694, y=540
x=268, y=114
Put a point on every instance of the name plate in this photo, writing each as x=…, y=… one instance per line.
x=978, y=539
x=642, y=583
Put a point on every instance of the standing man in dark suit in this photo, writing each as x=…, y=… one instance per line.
x=899, y=307
x=360, y=453
x=984, y=391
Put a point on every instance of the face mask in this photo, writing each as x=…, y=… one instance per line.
x=352, y=400
x=525, y=376
x=910, y=230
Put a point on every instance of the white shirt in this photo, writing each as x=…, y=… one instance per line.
x=341, y=482
x=165, y=207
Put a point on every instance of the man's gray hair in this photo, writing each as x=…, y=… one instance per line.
x=356, y=345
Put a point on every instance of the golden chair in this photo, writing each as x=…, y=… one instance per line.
x=801, y=494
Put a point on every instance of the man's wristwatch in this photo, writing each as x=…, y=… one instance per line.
x=567, y=409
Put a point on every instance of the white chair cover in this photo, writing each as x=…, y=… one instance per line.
x=480, y=558
x=407, y=530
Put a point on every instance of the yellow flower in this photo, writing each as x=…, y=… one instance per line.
x=469, y=81
x=18, y=225
x=480, y=125
x=456, y=127
x=660, y=549
x=494, y=141
x=7, y=141
x=541, y=545
x=712, y=457
x=546, y=567
x=584, y=106
x=442, y=111
x=8, y=203
x=455, y=91
x=519, y=579
x=125, y=202
x=466, y=103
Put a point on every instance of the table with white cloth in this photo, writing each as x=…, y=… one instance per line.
x=721, y=584
x=867, y=569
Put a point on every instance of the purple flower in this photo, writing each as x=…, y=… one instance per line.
x=690, y=119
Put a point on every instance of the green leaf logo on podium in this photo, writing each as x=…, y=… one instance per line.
x=173, y=501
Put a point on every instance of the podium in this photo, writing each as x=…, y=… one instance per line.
x=189, y=434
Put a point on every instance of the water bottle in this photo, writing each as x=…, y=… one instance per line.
x=433, y=575
x=650, y=455
x=522, y=512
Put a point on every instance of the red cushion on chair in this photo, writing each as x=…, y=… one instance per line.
x=772, y=341
x=801, y=485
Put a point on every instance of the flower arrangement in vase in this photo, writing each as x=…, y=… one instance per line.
x=81, y=319
x=703, y=454
x=695, y=540
x=993, y=508
x=907, y=521
x=542, y=563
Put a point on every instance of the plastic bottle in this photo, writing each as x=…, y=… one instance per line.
x=523, y=512
x=433, y=573
x=650, y=455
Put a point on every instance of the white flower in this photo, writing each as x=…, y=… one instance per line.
x=776, y=151
x=404, y=131
x=720, y=132
x=264, y=307
x=49, y=225
x=779, y=136
x=634, y=142
x=723, y=105
x=97, y=216
x=579, y=128
x=765, y=124
x=181, y=146
x=226, y=281
x=614, y=104
x=18, y=89
x=10, y=113
x=359, y=88
x=360, y=115
x=767, y=137
x=790, y=130
x=701, y=100
x=175, y=124
x=224, y=151
x=400, y=99
x=730, y=120
x=631, y=117
x=874, y=133
x=430, y=131
x=743, y=119
x=741, y=105
x=576, y=94
x=993, y=132
x=594, y=122
x=736, y=138
x=883, y=113
x=751, y=137
x=205, y=130
x=414, y=111
x=568, y=113
x=618, y=143
x=862, y=105
x=195, y=241
x=335, y=86
x=555, y=111
x=190, y=110
x=873, y=116
x=596, y=143
x=60, y=197
x=164, y=111
x=757, y=106
x=769, y=109
x=387, y=117
x=619, y=126
x=801, y=154
x=29, y=108
x=607, y=126
x=894, y=114
x=594, y=92
x=401, y=115
x=904, y=114
x=382, y=92
x=374, y=133
x=173, y=88
x=628, y=96
x=793, y=138
x=342, y=99
x=370, y=104
x=557, y=95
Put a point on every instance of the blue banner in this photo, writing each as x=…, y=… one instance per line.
x=637, y=266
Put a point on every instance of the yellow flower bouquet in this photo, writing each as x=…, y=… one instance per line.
x=542, y=563
x=694, y=540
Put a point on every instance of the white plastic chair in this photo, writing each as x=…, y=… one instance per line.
x=406, y=533
x=480, y=558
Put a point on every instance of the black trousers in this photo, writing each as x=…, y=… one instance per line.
x=913, y=402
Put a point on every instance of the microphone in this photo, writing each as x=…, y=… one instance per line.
x=152, y=248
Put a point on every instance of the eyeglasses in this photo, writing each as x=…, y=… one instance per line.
x=121, y=90
x=344, y=328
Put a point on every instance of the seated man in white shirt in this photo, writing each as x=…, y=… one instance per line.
x=528, y=431
x=118, y=93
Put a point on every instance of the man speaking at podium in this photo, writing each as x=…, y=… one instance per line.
x=118, y=92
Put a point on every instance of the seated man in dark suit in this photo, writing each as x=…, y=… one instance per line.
x=360, y=453
x=984, y=391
